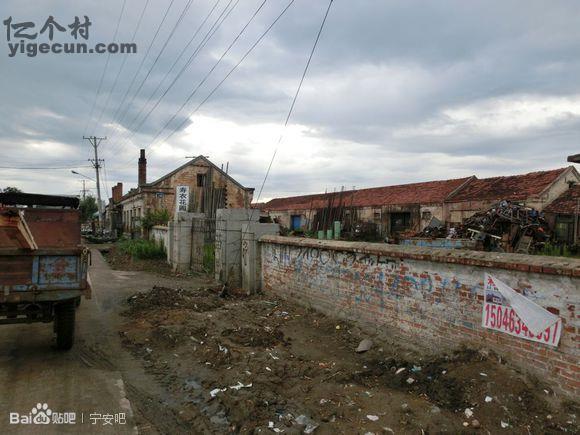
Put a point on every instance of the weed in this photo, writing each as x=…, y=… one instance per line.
x=142, y=249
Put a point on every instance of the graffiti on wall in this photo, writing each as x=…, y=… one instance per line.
x=352, y=278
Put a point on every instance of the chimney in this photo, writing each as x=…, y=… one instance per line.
x=117, y=193
x=142, y=179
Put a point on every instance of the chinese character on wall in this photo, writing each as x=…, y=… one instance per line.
x=182, y=198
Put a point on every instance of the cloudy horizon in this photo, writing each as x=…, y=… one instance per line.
x=397, y=92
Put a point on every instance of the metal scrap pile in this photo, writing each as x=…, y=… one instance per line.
x=506, y=227
x=434, y=230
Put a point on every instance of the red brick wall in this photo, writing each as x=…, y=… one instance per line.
x=236, y=197
x=430, y=298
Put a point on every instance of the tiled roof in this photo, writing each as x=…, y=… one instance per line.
x=417, y=193
x=565, y=203
x=513, y=188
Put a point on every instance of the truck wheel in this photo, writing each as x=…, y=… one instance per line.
x=65, y=325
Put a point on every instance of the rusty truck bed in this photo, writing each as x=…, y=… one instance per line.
x=55, y=269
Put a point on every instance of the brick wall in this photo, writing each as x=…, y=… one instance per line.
x=430, y=298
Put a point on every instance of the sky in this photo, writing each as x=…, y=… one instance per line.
x=398, y=91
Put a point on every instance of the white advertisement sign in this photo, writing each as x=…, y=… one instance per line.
x=182, y=198
x=508, y=311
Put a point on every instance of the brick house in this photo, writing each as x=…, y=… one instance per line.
x=395, y=209
x=114, y=211
x=209, y=188
x=564, y=215
x=535, y=189
x=391, y=208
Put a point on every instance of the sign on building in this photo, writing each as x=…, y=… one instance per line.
x=182, y=198
x=508, y=311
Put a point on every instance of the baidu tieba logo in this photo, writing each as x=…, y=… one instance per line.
x=42, y=414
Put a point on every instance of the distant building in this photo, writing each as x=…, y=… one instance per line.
x=535, y=189
x=564, y=215
x=392, y=209
x=396, y=209
x=203, y=188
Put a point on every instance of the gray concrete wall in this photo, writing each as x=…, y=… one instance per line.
x=180, y=240
x=251, y=258
x=228, y=258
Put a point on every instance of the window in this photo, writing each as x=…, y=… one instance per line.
x=564, y=229
x=200, y=180
x=377, y=215
x=400, y=222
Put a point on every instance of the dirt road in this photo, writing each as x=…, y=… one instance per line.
x=260, y=364
x=179, y=358
x=97, y=378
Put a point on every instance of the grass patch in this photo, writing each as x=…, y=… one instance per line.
x=142, y=249
x=555, y=250
x=209, y=258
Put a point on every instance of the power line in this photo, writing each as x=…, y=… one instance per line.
x=209, y=34
x=115, y=115
x=246, y=54
x=106, y=106
x=164, y=46
x=41, y=168
x=212, y=69
x=131, y=123
x=104, y=70
x=121, y=143
x=294, y=99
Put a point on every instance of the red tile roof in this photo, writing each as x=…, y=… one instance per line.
x=565, y=203
x=429, y=192
x=513, y=188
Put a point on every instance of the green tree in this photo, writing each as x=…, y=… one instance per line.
x=155, y=217
x=11, y=189
x=88, y=208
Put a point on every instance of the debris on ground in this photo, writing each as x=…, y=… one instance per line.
x=290, y=369
x=364, y=345
x=505, y=227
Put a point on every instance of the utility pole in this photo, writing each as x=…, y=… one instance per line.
x=84, y=191
x=95, y=142
x=576, y=221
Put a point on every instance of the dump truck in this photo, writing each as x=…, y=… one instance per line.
x=43, y=265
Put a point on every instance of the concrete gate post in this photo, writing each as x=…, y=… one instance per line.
x=251, y=260
x=228, y=258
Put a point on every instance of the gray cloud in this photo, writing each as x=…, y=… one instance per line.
x=398, y=91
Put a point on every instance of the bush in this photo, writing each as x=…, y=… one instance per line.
x=142, y=249
x=156, y=217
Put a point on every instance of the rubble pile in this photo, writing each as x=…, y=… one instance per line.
x=505, y=227
x=164, y=297
x=432, y=232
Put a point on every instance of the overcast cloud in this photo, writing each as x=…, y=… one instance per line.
x=398, y=91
